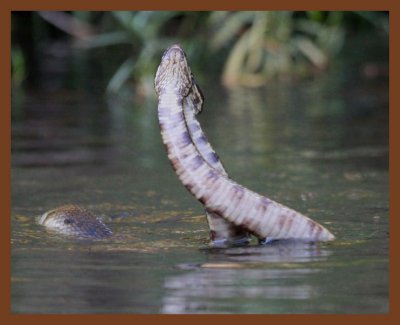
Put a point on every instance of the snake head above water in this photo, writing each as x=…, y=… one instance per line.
x=174, y=72
x=75, y=221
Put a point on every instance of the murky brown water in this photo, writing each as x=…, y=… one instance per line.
x=320, y=147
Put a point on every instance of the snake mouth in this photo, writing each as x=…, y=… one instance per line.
x=174, y=52
x=174, y=55
x=41, y=220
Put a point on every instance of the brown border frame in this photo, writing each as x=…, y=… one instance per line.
x=6, y=6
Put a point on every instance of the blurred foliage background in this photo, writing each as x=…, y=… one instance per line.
x=246, y=48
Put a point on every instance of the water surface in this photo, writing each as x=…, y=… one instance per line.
x=320, y=147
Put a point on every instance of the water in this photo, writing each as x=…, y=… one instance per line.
x=319, y=147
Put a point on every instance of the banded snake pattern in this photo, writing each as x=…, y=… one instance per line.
x=200, y=171
x=233, y=211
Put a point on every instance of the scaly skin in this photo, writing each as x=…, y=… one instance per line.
x=222, y=232
x=75, y=221
x=260, y=215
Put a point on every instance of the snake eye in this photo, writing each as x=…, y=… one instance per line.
x=68, y=221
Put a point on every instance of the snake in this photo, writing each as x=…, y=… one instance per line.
x=259, y=215
x=75, y=221
x=233, y=211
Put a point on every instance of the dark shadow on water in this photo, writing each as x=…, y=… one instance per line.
x=281, y=251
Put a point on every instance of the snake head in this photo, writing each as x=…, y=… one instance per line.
x=173, y=73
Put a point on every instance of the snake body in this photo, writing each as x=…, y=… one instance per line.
x=219, y=194
x=221, y=230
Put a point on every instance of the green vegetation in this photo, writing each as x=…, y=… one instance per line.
x=18, y=66
x=248, y=48
x=145, y=30
x=269, y=44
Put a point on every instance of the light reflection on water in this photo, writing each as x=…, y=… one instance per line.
x=257, y=276
x=332, y=166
